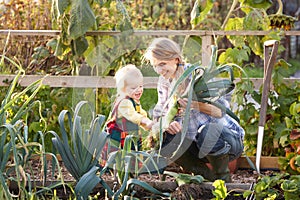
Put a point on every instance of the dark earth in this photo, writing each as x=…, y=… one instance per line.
x=241, y=178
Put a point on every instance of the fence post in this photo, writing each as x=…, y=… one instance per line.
x=206, y=49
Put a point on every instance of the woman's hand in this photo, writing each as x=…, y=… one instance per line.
x=202, y=107
x=182, y=102
x=174, y=128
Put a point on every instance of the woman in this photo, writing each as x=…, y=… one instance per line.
x=209, y=138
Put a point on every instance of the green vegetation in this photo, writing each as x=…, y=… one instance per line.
x=279, y=186
x=29, y=115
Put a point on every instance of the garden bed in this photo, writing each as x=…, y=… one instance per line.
x=242, y=174
x=242, y=179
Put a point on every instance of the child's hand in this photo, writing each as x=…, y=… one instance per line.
x=147, y=123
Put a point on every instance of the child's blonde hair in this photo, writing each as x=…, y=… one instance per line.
x=124, y=75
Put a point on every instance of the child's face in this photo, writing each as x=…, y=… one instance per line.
x=134, y=88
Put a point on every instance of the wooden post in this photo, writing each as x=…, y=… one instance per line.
x=206, y=49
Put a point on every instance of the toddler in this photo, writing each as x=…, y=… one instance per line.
x=128, y=114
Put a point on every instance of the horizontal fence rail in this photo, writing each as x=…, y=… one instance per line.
x=73, y=81
x=94, y=81
x=147, y=32
x=109, y=82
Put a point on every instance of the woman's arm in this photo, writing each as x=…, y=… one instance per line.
x=207, y=109
x=203, y=107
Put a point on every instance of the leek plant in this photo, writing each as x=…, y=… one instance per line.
x=81, y=150
x=86, y=145
x=16, y=149
x=126, y=164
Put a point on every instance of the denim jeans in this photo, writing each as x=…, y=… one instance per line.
x=212, y=139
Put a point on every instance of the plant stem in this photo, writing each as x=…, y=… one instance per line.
x=279, y=12
x=233, y=5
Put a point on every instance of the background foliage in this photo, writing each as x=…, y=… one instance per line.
x=73, y=53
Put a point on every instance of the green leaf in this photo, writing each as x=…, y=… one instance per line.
x=255, y=20
x=174, y=174
x=87, y=183
x=289, y=186
x=265, y=4
x=92, y=54
x=4, y=186
x=220, y=191
x=125, y=24
x=146, y=186
x=247, y=193
x=79, y=45
x=40, y=53
x=127, y=164
x=35, y=126
x=235, y=24
x=60, y=6
x=185, y=178
x=86, y=146
x=236, y=55
x=297, y=160
x=197, y=179
x=104, y=3
x=61, y=49
x=255, y=45
x=200, y=11
x=192, y=47
x=81, y=18
x=284, y=140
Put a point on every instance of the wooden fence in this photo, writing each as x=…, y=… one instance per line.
x=94, y=81
x=108, y=82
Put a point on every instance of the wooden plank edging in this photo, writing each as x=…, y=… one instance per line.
x=267, y=162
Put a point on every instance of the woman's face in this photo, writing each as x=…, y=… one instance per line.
x=165, y=68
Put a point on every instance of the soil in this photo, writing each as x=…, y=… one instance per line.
x=241, y=177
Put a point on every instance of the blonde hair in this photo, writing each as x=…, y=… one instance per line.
x=163, y=49
x=166, y=49
x=124, y=75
